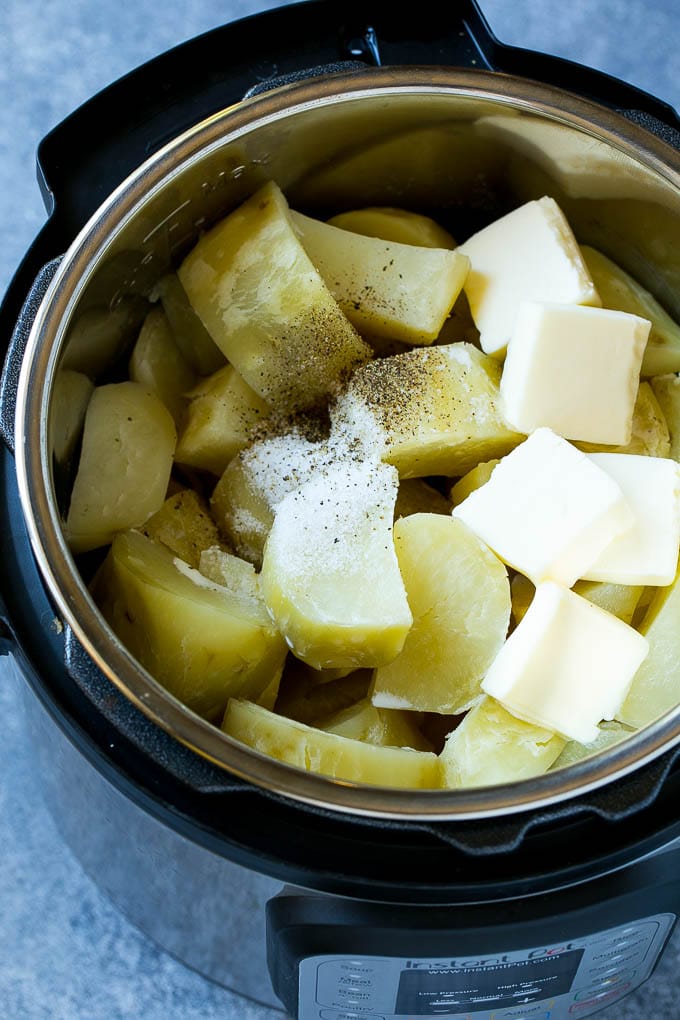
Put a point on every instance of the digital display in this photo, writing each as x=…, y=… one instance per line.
x=431, y=990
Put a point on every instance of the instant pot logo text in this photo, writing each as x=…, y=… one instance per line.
x=443, y=966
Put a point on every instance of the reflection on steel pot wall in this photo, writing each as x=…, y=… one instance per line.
x=84, y=962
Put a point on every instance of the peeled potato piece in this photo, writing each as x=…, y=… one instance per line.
x=621, y=292
x=72, y=392
x=267, y=308
x=191, y=336
x=388, y=289
x=125, y=463
x=417, y=497
x=157, y=362
x=667, y=391
x=222, y=414
x=618, y=599
x=492, y=746
x=391, y=224
x=329, y=574
x=385, y=726
x=308, y=695
x=327, y=753
x=184, y=525
x=459, y=595
x=656, y=685
x=433, y=411
x=610, y=733
x=472, y=481
x=203, y=642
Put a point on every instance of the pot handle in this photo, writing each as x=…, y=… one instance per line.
x=9, y=381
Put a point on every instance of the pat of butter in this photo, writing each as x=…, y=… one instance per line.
x=575, y=370
x=567, y=666
x=648, y=553
x=529, y=255
x=547, y=510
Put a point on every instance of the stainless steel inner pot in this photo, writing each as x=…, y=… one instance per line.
x=467, y=146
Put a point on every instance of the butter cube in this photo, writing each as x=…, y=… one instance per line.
x=529, y=255
x=548, y=510
x=562, y=360
x=567, y=666
x=648, y=553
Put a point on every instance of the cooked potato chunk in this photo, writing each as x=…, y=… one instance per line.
x=184, y=525
x=433, y=411
x=386, y=289
x=267, y=308
x=459, y=595
x=125, y=463
x=656, y=685
x=72, y=392
x=191, y=336
x=203, y=642
x=385, y=726
x=329, y=574
x=620, y=291
x=327, y=753
x=219, y=422
x=492, y=746
x=392, y=224
x=667, y=391
x=157, y=362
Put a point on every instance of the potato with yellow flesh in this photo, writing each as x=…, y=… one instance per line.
x=650, y=436
x=656, y=685
x=308, y=695
x=329, y=574
x=621, y=292
x=267, y=308
x=431, y=411
x=472, y=481
x=230, y=571
x=399, y=291
x=255, y=481
x=618, y=599
x=392, y=224
x=201, y=641
x=222, y=414
x=417, y=497
x=242, y=510
x=491, y=746
x=125, y=463
x=459, y=595
x=667, y=391
x=184, y=525
x=157, y=362
x=610, y=733
x=191, y=336
x=102, y=334
x=388, y=727
x=70, y=397
x=327, y=753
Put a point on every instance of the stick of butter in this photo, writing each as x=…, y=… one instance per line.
x=529, y=255
x=648, y=553
x=567, y=666
x=548, y=510
x=562, y=360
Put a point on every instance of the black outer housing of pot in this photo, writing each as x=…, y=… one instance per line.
x=79, y=163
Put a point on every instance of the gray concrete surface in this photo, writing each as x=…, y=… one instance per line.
x=65, y=954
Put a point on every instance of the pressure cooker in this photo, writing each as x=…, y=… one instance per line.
x=553, y=897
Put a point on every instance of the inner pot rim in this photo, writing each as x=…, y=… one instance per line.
x=34, y=462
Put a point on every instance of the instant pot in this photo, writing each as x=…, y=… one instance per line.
x=549, y=898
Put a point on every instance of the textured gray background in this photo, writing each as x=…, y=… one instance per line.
x=64, y=951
